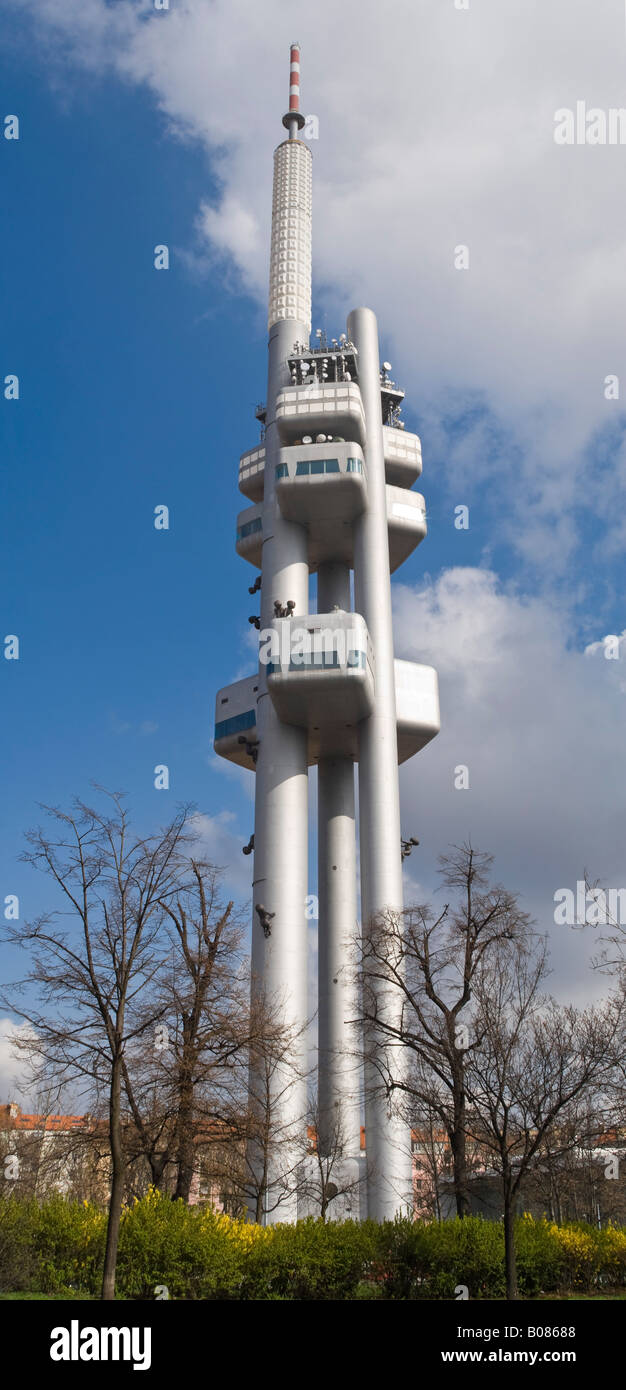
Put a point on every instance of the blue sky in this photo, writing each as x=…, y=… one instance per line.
x=129, y=397
x=138, y=388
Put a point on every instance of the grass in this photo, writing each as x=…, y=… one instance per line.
x=610, y=1294
x=66, y=1296
x=70, y=1295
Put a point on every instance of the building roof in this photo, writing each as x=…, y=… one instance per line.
x=12, y=1117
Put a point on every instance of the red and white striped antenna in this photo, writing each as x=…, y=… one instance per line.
x=294, y=77
x=293, y=119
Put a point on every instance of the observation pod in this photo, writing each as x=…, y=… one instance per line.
x=330, y=487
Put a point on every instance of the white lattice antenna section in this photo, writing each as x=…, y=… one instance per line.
x=290, y=257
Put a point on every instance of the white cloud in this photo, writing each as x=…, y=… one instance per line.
x=13, y=1072
x=222, y=845
x=539, y=724
x=615, y=642
x=124, y=726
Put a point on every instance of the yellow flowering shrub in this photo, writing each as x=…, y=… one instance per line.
x=195, y=1253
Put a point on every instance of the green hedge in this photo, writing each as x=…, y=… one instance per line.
x=59, y=1245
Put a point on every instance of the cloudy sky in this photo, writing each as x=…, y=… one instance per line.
x=141, y=126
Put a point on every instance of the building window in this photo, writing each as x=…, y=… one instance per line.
x=307, y=466
x=282, y=470
x=249, y=528
x=354, y=466
x=236, y=724
x=319, y=660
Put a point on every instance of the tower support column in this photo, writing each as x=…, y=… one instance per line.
x=339, y=1067
x=386, y=1137
x=339, y=1061
x=278, y=1088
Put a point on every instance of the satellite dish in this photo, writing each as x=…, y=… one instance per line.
x=307, y=439
x=386, y=366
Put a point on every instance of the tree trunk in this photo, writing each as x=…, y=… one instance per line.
x=117, y=1181
x=157, y=1168
x=186, y=1147
x=510, y=1262
x=459, y=1161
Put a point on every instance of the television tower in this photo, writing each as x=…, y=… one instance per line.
x=331, y=490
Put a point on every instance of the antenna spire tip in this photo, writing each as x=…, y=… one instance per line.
x=294, y=120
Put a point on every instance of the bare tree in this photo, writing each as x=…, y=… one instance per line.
x=270, y=1131
x=534, y=1060
x=432, y=962
x=93, y=959
x=211, y=1017
x=330, y=1172
x=430, y=1146
x=573, y=1157
x=187, y=1075
x=606, y=912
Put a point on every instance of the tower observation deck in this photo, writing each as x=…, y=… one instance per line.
x=331, y=487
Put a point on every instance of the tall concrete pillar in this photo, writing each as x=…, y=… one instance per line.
x=387, y=1140
x=339, y=1070
x=338, y=1038
x=280, y=882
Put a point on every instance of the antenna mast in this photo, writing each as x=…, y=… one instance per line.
x=293, y=119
